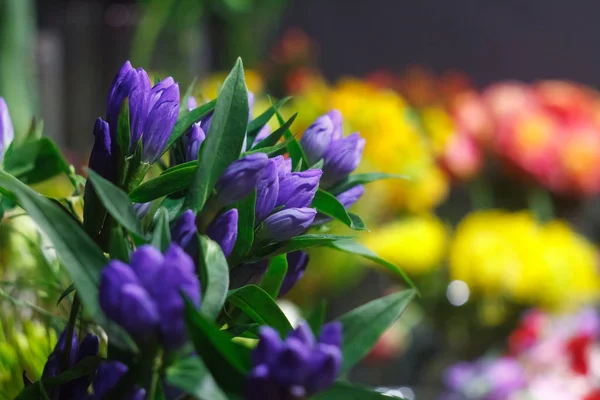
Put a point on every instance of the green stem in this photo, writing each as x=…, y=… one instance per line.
x=155, y=376
x=70, y=332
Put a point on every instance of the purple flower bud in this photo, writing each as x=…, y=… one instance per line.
x=286, y=224
x=262, y=135
x=268, y=348
x=292, y=363
x=284, y=166
x=324, y=365
x=304, y=334
x=163, y=109
x=342, y=157
x=192, y=140
x=297, y=189
x=336, y=119
x=141, y=209
x=101, y=157
x=250, y=105
x=192, y=103
x=267, y=191
x=331, y=334
x=146, y=262
x=224, y=230
x=184, y=229
x=114, y=276
x=297, y=262
x=351, y=196
x=316, y=138
x=241, y=177
x=53, y=365
x=260, y=386
x=7, y=133
x=108, y=375
x=206, y=121
x=138, y=313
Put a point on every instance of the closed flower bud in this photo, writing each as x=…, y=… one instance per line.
x=101, y=157
x=316, y=138
x=264, y=132
x=224, y=230
x=331, y=334
x=184, y=229
x=286, y=224
x=267, y=191
x=341, y=158
x=297, y=189
x=163, y=109
x=351, y=196
x=297, y=262
x=250, y=105
x=336, y=119
x=141, y=209
x=192, y=140
x=240, y=178
x=284, y=166
x=192, y=103
x=7, y=133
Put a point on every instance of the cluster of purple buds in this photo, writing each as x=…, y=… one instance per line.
x=223, y=230
x=77, y=388
x=145, y=296
x=283, y=200
x=296, y=368
x=7, y=133
x=107, y=377
x=153, y=111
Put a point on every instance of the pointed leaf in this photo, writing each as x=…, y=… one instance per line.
x=361, y=179
x=328, y=204
x=185, y=121
x=215, y=277
x=259, y=122
x=274, y=276
x=299, y=243
x=245, y=238
x=191, y=375
x=161, y=237
x=170, y=181
x=274, y=137
x=296, y=152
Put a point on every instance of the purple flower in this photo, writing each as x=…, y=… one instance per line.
x=163, y=109
x=250, y=105
x=297, y=189
x=505, y=375
x=108, y=375
x=7, y=133
x=145, y=299
x=341, y=158
x=240, y=178
x=77, y=388
x=224, y=230
x=192, y=103
x=351, y=196
x=316, y=138
x=297, y=262
x=295, y=368
x=264, y=132
x=141, y=209
x=184, y=229
x=459, y=375
x=336, y=119
x=192, y=140
x=284, y=166
x=286, y=224
x=101, y=157
x=267, y=191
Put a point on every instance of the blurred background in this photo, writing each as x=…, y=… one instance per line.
x=488, y=109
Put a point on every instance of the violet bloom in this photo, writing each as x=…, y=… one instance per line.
x=240, y=178
x=342, y=157
x=297, y=262
x=183, y=231
x=224, y=230
x=144, y=297
x=284, y=166
x=7, y=133
x=141, y=209
x=336, y=119
x=296, y=368
x=316, y=138
x=297, y=189
x=108, y=376
x=267, y=191
x=264, y=132
x=286, y=224
x=77, y=388
x=101, y=158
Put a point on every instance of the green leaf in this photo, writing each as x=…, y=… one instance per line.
x=191, y=375
x=124, y=129
x=260, y=307
x=352, y=247
x=316, y=317
x=185, y=120
x=274, y=276
x=224, y=139
x=119, y=249
x=81, y=258
x=173, y=205
x=328, y=204
x=170, y=181
x=363, y=326
x=67, y=292
x=86, y=366
x=117, y=203
x=296, y=152
x=215, y=277
x=257, y=124
x=274, y=137
x=227, y=361
x=245, y=238
x=271, y=150
x=35, y=161
x=299, y=243
x=361, y=179
x=348, y=391
x=161, y=237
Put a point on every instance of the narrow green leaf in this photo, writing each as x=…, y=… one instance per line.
x=161, y=237
x=274, y=137
x=191, y=375
x=363, y=326
x=361, y=179
x=328, y=204
x=185, y=120
x=257, y=124
x=81, y=258
x=227, y=361
x=260, y=307
x=119, y=249
x=299, y=243
x=352, y=247
x=245, y=238
x=215, y=274
x=296, y=152
x=224, y=139
x=124, y=129
x=316, y=317
x=183, y=105
x=274, y=276
x=35, y=161
x=117, y=203
x=67, y=292
x=271, y=150
x=348, y=391
x=170, y=181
